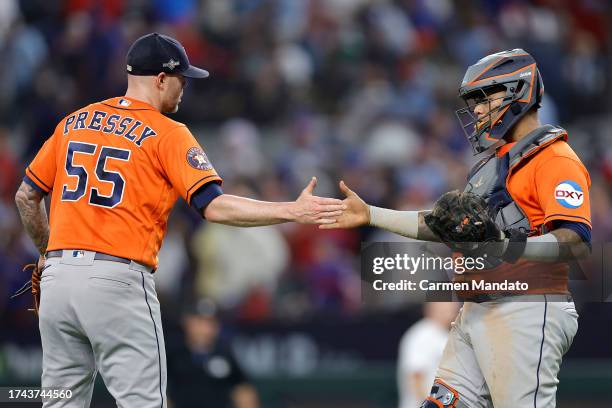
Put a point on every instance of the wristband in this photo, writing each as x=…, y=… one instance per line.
x=542, y=248
x=405, y=223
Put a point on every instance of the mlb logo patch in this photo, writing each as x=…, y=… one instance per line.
x=78, y=254
x=124, y=102
x=569, y=194
x=171, y=64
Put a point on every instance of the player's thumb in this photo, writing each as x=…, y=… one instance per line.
x=311, y=186
x=344, y=188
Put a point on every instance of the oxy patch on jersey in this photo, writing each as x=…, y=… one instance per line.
x=198, y=159
x=569, y=194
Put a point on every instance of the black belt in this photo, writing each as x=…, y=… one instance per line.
x=99, y=256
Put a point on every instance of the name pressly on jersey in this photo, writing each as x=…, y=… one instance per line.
x=114, y=124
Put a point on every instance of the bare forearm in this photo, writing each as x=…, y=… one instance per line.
x=245, y=212
x=409, y=224
x=33, y=216
x=571, y=246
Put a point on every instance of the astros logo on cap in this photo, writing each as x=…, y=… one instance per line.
x=569, y=194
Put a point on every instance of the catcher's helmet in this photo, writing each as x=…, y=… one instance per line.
x=512, y=71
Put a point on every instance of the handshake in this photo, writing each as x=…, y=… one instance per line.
x=329, y=213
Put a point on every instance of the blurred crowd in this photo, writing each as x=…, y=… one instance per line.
x=359, y=90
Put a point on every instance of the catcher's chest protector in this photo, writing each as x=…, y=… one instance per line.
x=488, y=177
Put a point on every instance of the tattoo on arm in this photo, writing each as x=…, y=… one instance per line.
x=424, y=233
x=33, y=215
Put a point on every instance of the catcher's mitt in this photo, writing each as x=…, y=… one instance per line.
x=463, y=222
x=33, y=285
x=462, y=217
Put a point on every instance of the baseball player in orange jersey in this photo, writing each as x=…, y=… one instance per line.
x=116, y=168
x=505, y=350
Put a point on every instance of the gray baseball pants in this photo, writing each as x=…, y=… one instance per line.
x=101, y=316
x=507, y=353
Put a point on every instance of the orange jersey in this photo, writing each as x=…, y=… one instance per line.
x=116, y=168
x=552, y=185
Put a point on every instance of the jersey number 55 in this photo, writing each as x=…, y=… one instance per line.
x=103, y=175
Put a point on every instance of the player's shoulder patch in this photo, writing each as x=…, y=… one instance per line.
x=569, y=194
x=198, y=159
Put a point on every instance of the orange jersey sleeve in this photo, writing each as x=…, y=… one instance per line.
x=43, y=168
x=554, y=185
x=184, y=162
x=562, y=185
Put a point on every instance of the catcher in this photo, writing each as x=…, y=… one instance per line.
x=524, y=204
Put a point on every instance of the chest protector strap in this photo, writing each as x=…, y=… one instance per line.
x=489, y=177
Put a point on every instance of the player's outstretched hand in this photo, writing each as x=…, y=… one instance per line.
x=356, y=214
x=310, y=209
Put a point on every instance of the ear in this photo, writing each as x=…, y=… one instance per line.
x=160, y=79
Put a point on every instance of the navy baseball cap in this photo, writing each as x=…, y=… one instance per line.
x=155, y=53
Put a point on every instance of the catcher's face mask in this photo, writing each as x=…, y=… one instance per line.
x=481, y=112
